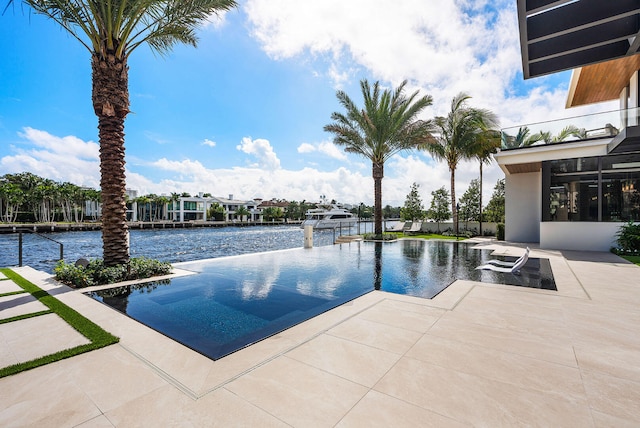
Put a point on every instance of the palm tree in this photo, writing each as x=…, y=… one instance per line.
x=162, y=202
x=175, y=204
x=458, y=136
x=12, y=197
x=566, y=132
x=385, y=125
x=111, y=31
x=142, y=202
x=242, y=211
x=521, y=139
x=524, y=139
x=487, y=145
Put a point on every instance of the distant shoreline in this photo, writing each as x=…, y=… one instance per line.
x=87, y=226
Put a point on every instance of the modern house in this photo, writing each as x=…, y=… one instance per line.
x=571, y=183
x=195, y=208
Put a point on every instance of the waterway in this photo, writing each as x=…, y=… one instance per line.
x=171, y=245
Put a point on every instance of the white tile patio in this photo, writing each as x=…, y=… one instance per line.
x=476, y=355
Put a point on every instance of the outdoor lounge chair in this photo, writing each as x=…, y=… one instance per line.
x=399, y=227
x=508, y=264
x=507, y=269
x=416, y=226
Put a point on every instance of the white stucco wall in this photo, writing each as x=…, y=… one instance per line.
x=522, y=207
x=582, y=236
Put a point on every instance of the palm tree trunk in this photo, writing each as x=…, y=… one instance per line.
x=453, y=200
x=481, y=233
x=111, y=104
x=378, y=174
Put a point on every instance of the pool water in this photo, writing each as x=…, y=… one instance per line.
x=233, y=302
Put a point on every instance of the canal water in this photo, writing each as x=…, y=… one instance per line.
x=170, y=245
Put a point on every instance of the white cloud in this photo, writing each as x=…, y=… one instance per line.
x=57, y=158
x=306, y=148
x=332, y=150
x=327, y=148
x=260, y=149
x=208, y=142
x=420, y=40
x=442, y=48
x=69, y=145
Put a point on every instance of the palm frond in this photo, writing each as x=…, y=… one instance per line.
x=386, y=124
x=119, y=27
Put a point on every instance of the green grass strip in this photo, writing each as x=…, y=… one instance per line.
x=98, y=337
x=632, y=259
x=25, y=316
x=12, y=293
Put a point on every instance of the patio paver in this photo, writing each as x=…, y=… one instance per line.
x=476, y=355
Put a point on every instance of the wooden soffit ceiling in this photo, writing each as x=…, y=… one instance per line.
x=557, y=35
x=601, y=82
x=522, y=168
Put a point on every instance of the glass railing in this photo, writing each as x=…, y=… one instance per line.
x=588, y=127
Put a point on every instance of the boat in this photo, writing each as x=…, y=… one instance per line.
x=321, y=218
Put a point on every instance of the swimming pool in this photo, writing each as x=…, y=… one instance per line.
x=236, y=301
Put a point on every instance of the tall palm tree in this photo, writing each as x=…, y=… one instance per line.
x=488, y=144
x=111, y=31
x=458, y=136
x=385, y=125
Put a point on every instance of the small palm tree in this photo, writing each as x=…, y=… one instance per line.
x=566, y=132
x=111, y=31
x=523, y=138
x=458, y=137
x=386, y=125
x=242, y=211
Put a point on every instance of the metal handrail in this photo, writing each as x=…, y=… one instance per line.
x=38, y=234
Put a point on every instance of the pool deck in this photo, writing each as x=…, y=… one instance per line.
x=478, y=354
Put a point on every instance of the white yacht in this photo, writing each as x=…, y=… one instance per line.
x=321, y=218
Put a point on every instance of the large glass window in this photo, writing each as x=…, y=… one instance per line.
x=621, y=188
x=190, y=205
x=574, y=198
x=592, y=189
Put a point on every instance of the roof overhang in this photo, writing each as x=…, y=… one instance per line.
x=557, y=35
x=601, y=82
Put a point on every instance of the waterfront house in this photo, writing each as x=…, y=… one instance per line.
x=574, y=191
x=195, y=208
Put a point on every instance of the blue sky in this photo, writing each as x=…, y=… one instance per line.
x=243, y=113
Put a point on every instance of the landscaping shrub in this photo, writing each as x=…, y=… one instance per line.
x=629, y=238
x=96, y=273
x=500, y=231
x=461, y=234
x=384, y=237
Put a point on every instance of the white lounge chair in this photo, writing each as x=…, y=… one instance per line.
x=508, y=264
x=399, y=227
x=506, y=269
x=416, y=226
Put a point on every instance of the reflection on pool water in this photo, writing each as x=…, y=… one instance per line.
x=236, y=301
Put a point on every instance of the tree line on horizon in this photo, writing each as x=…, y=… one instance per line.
x=27, y=198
